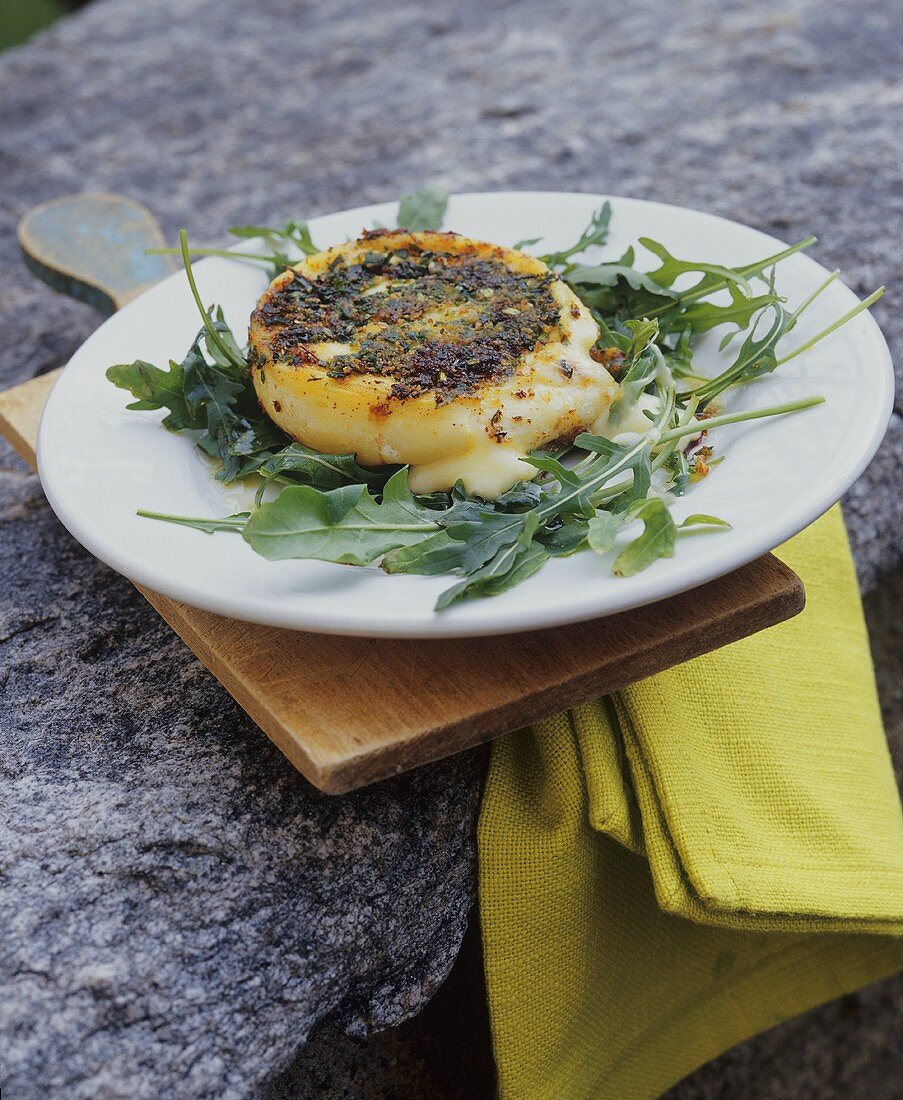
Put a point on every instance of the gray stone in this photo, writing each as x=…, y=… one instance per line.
x=179, y=908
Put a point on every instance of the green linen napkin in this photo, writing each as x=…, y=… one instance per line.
x=703, y=855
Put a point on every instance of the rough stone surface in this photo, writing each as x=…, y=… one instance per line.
x=179, y=907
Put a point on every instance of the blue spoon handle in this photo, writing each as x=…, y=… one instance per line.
x=92, y=247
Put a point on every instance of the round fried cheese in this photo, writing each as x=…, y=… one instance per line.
x=453, y=356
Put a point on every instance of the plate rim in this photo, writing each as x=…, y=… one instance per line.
x=511, y=620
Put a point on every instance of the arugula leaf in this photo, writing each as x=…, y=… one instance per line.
x=484, y=535
x=618, y=291
x=510, y=566
x=294, y=236
x=702, y=316
x=680, y=358
x=579, y=500
x=701, y=522
x=157, y=389
x=596, y=233
x=657, y=540
x=609, y=275
x=346, y=525
x=224, y=351
x=757, y=355
x=672, y=268
x=323, y=471
x=235, y=522
x=423, y=210
x=642, y=370
x=295, y=233
x=523, y=495
x=564, y=538
x=438, y=553
x=563, y=474
x=212, y=391
x=602, y=531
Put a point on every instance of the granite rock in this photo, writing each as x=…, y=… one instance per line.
x=179, y=909
x=178, y=906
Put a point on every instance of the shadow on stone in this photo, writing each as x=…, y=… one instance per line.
x=444, y=1052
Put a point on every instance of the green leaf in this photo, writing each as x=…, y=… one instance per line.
x=292, y=233
x=700, y=521
x=158, y=389
x=657, y=540
x=680, y=357
x=672, y=268
x=757, y=355
x=596, y=233
x=438, y=553
x=510, y=566
x=225, y=353
x=324, y=471
x=610, y=274
x=251, y=232
x=602, y=531
x=218, y=397
x=702, y=316
x=215, y=392
x=424, y=210
x=577, y=500
x=234, y=522
x=564, y=539
x=481, y=537
x=618, y=292
x=523, y=495
x=549, y=465
x=642, y=368
x=346, y=525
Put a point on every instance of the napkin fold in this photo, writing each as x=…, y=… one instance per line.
x=673, y=869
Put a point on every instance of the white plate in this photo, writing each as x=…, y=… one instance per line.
x=99, y=463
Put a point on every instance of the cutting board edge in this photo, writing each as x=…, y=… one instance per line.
x=384, y=761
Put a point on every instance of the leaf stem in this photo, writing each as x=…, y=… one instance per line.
x=226, y=253
x=229, y=523
x=686, y=416
x=815, y=293
x=693, y=426
x=212, y=334
x=863, y=305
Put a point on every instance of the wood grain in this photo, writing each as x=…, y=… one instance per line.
x=349, y=711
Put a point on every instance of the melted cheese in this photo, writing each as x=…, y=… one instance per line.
x=553, y=390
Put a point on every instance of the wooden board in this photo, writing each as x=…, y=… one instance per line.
x=349, y=711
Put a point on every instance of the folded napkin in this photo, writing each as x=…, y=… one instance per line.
x=668, y=871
